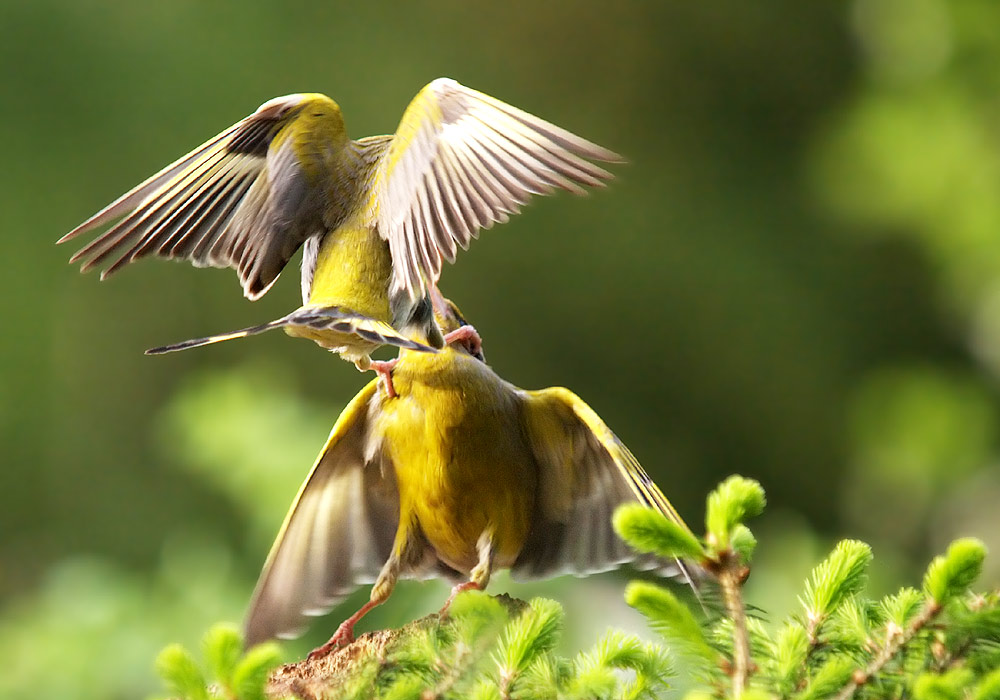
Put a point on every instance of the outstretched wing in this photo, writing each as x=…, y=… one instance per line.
x=231, y=202
x=584, y=473
x=461, y=161
x=338, y=533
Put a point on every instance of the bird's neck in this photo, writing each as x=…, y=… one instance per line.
x=415, y=320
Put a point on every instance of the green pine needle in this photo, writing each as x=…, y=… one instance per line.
x=901, y=607
x=952, y=573
x=544, y=678
x=756, y=694
x=178, y=668
x=417, y=653
x=945, y=686
x=743, y=543
x=988, y=687
x=789, y=657
x=250, y=674
x=653, y=675
x=485, y=689
x=222, y=647
x=648, y=530
x=405, y=688
x=736, y=499
x=534, y=632
x=850, y=626
x=672, y=619
x=477, y=615
x=840, y=575
x=594, y=682
x=831, y=677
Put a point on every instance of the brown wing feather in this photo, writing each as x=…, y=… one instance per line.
x=232, y=202
x=338, y=533
x=461, y=161
x=585, y=473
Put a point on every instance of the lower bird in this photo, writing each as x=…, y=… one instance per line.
x=462, y=473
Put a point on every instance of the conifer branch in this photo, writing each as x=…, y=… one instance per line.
x=731, y=578
x=896, y=641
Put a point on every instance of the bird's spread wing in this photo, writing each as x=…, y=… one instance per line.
x=585, y=472
x=461, y=161
x=227, y=203
x=338, y=533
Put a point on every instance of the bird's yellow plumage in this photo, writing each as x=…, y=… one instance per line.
x=460, y=472
x=353, y=264
x=455, y=440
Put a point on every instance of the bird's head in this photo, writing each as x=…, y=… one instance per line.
x=312, y=111
x=449, y=318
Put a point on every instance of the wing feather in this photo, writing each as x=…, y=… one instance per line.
x=585, y=472
x=232, y=202
x=461, y=161
x=338, y=532
x=457, y=213
x=442, y=221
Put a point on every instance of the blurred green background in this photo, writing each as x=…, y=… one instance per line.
x=796, y=277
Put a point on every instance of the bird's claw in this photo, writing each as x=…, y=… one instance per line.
x=341, y=638
x=383, y=368
x=467, y=335
x=467, y=586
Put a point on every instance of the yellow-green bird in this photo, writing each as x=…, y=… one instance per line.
x=460, y=474
x=375, y=215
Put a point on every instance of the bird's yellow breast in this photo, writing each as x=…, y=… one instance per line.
x=353, y=269
x=462, y=463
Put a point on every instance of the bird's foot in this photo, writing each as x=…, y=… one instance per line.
x=468, y=336
x=345, y=633
x=467, y=586
x=383, y=368
x=341, y=638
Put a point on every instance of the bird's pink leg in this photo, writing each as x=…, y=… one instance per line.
x=383, y=368
x=467, y=586
x=345, y=633
x=466, y=334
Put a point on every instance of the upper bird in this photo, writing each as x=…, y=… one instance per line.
x=376, y=215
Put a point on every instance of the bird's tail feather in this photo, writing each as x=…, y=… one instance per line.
x=218, y=338
x=325, y=318
x=341, y=320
